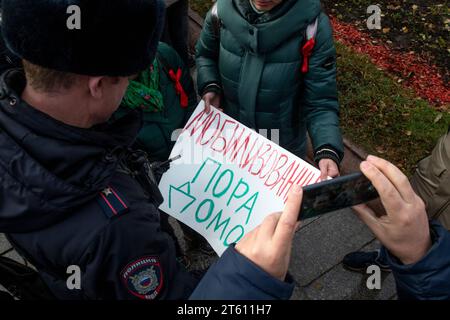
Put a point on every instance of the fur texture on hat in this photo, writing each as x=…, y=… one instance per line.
x=117, y=37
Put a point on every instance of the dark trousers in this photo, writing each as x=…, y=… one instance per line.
x=192, y=236
x=166, y=227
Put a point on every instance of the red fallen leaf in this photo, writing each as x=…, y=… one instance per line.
x=373, y=108
x=419, y=75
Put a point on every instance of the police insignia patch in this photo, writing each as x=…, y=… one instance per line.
x=143, y=278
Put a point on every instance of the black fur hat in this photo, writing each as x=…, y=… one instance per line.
x=116, y=38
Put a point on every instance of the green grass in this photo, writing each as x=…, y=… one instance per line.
x=377, y=113
x=383, y=117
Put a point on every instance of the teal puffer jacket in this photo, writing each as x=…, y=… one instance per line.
x=256, y=60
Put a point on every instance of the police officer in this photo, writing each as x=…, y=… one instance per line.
x=74, y=193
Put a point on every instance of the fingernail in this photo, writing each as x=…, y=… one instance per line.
x=296, y=189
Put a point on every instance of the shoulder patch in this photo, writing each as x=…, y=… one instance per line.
x=112, y=202
x=143, y=278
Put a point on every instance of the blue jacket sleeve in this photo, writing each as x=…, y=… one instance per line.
x=234, y=277
x=430, y=277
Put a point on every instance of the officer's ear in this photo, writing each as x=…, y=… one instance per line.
x=96, y=86
x=100, y=86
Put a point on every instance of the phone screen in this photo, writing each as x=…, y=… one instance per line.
x=336, y=194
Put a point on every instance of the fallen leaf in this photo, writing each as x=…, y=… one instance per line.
x=438, y=117
x=380, y=150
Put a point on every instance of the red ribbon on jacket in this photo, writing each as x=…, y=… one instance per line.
x=306, y=52
x=184, y=101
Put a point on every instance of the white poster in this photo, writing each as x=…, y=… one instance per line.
x=228, y=178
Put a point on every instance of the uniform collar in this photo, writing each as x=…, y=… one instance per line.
x=116, y=132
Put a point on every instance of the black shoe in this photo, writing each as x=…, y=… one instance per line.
x=359, y=261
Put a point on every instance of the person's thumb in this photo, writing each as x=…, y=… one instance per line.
x=288, y=222
x=218, y=102
x=324, y=170
x=207, y=104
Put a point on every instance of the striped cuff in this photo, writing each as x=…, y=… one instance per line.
x=327, y=153
x=212, y=87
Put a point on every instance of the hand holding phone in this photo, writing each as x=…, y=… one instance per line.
x=336, y=194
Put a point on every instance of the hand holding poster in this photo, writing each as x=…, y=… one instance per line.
x=228, y=178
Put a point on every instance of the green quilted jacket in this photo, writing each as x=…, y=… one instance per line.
x=256, y=61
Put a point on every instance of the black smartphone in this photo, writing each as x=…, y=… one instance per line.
x=336, y=194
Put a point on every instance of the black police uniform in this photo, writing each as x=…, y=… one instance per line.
x=73, y=200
